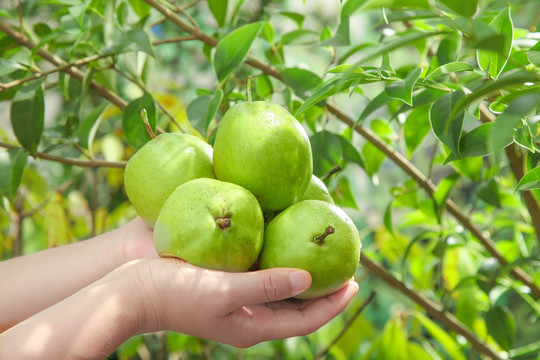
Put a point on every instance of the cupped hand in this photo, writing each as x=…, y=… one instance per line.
x=240, y=309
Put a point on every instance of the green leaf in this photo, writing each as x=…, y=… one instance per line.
x=489, y=192
x=379, y=101
x=341, y=37
x=475, y=142
x=493, y=61
x=351, y=153
x=449, y=68
x=327, y=152
x=133, y=40
x=534, y=54
x=264, y=86
x=501, y=325
x=300, y=80
x=450, y=345
x=296, y=17
x=300, y=37
x=219, y=10
x=502, y=132
x=465, y=8
x=132, y=124
x=27, y=115
x=416, y=128
x=233, y=48
x=202, y=111
x=444, y=189
x=446, y=127
x=141, y=8
x=12, y=165
x=86, y=130
x=7, y=67
x=524, y=137
x=531, y=180
x=402, y=89
x=268, y=32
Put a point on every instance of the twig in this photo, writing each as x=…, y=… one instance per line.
x=174, y=40
x=64, y=67
x=19, y=5
x=369, y=135
x=334, y=170
x=348, y=324
x=68, y=160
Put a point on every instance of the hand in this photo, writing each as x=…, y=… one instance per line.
x=240, y=309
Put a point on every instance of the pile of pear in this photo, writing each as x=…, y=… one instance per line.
x=249, y=202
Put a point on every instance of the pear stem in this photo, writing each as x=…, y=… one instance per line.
x=223, y=222
x=319, y=240
x=250, y=80
x=144, y=116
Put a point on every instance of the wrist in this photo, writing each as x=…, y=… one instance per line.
x=136, y=241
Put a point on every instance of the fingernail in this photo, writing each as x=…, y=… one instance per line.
x=300, y=280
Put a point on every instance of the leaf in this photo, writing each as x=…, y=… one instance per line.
x=300, y=80
x=444, y=188
x=264, y=86
x=501, y=325
x=219, y=10
x=233, y=48
x=326, y=149
x=27, y=115
x=502, y=132
x=85, y=132
x=475, y=142
x=202, y=111
x=529, y=181
x=534, y=54
x=296, y=17
x=465, y=8
x=141, y=8
x=351, y=153
x=133, y=40
x=402, y=89
x=416, y=128
x=8, y=66
x=132, y=124
x=449, y=68
x=300, y=37
x=446, y=127
x=524, y=137
x=489, y=192
x=12, y=165
x=341, y=37
x=379, y=101
x=449, y=345
x=493, y=61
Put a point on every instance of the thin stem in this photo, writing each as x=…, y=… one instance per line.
x=68, y=160
x=144, y=116
x=249, y=82
x=334, y=170
x=174, y=40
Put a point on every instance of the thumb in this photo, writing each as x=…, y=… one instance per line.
x=258, y=287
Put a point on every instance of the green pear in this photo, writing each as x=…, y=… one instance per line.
x=160, y=166
x=315, y=236
x=263, y=148
x=317, y=190
x=211, y=224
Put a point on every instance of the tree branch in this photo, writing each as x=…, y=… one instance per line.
x=69, y=160
x=394, y=155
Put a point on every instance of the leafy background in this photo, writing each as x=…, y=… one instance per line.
x=422, y=115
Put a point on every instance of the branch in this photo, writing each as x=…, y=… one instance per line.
x=71, y=70
x=515, y=159
x=432, y=308
x=394, y=155
x=174, y=40
x=69, y=160
x=64, y=67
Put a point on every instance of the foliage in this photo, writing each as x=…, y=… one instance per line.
x=430, y=107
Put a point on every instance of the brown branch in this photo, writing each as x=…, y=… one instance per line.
x=394, y=155
x=432, y=308
x=64, y=67
x=515, y=158
x=69, y=160
x=322, y=354
x=174, y=40
x=73, y=71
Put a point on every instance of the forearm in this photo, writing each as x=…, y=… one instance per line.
x=90, y=324
x=34, y=282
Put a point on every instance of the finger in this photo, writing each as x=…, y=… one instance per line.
x=267, y=324
x=265, y=286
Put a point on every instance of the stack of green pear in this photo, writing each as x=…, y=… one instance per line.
x=208, y=206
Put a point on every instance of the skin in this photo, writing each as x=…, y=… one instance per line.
x=317, y=190
x=81, y=301
x=262, y=147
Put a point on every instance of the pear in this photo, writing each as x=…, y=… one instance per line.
x=263, y=148
x=160, y=166
x=211, y=224
x=316, y=236
x=317, y=190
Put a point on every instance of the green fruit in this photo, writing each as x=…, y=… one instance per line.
x=262, y=147
x=212, y=224
x=160, y=166
x=318, y=237
x=317, y=190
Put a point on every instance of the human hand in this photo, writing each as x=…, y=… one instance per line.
x=240, y=309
